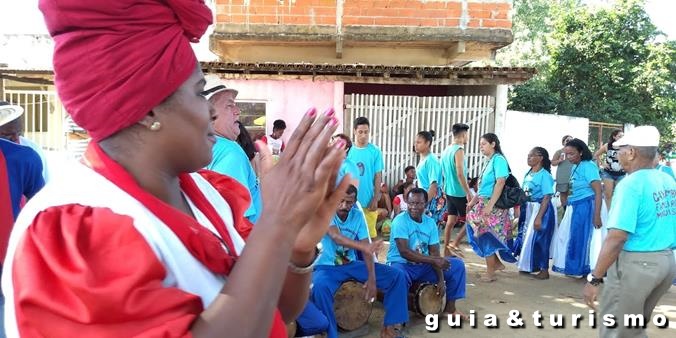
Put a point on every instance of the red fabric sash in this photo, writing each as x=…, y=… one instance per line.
x=201, y=242
x=6, y=213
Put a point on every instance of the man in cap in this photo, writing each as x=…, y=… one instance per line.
x=20, y=174
x=228, y=157
x=637, y=254
x=12, y=131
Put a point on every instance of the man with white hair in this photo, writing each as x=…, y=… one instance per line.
x=637, y=255
x=228, y=157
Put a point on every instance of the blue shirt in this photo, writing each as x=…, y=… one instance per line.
x=495, y=168
x=538, y=184
x=428, y=171
x=369, y=162
x=452, y=186
x=667, y=170
x=230, y=159
x=419, y=235
x=354, y=228
x=347, y=168
x=24, y=172
x=581, y=177
x=644, y=205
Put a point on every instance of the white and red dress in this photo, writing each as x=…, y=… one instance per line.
x=94, y=255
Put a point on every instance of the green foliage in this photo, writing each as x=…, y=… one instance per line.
x=608, y=65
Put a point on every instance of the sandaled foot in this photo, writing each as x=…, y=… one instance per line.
x=455, y=251
x=542, y=275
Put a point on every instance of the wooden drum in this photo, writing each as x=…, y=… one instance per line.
x=352, y=311
x=423, y=299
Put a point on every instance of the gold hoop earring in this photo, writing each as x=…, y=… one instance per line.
x=155, y=126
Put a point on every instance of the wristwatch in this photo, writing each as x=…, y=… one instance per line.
x=301, y=270
x=593, y=280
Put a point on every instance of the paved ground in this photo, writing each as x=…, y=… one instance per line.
x=513, y=291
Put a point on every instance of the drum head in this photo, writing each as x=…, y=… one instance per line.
x=351, y=309
x=427, y=301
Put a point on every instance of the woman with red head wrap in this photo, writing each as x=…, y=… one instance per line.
x=136, y=240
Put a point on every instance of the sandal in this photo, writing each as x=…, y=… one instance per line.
x=455, y=251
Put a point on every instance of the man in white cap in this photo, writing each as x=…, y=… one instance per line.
x=12, y=131
x=636, y=257
x=228, y=156
x=20, y=176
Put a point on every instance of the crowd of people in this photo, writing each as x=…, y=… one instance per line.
x=177, y=222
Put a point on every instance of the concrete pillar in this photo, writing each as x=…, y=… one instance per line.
x=500, y=109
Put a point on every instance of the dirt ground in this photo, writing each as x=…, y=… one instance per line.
x=514, y=291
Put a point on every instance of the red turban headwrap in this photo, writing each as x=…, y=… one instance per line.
x=114, y=61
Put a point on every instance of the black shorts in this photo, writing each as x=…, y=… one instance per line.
x=456, y=206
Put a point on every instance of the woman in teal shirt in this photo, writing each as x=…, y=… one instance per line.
x=429, y=176
x=538, y=215
x=573, y=236
x=489, y=228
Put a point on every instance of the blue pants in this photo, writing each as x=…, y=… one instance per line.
x=327, y=279
x=454, y=277
x=311, y=321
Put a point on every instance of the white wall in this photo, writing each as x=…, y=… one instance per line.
x=522, y=131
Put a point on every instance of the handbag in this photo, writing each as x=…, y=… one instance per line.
x=512, y=194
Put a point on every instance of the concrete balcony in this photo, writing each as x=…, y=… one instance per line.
x=430, y=32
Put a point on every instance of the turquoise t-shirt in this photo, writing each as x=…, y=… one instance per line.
x=369, y=161
x=230, y=159
x=644, y=205
x=538, y=184
x=452, y=186
x=428, y=171
x=495, y=168
x=419, y=235
x=667, y=170
x=581, y=177
x=354, y=227
x=347, y=168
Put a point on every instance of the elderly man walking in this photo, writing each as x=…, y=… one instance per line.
x=637, y=254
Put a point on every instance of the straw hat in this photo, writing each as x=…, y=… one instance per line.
x=9, y=113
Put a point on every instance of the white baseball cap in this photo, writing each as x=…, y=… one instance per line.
x=642, y=136
x=9, y=113
x=214, y=86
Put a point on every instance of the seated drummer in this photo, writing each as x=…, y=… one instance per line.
x=337, y=264
x=416, y=252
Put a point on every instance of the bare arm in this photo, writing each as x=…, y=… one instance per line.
x=432, y=192
x=459, y=163
x=376, y=191
x=434, y=252
x=544, y=205
x=598, y=197
x=410, y=255
x=556, y=159
x=497, y=190
x=598, y=153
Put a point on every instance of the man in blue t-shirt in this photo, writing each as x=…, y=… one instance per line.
x=338, y=263
x=637, y=254
x=228, y=157
x=369, y=161
x=416, y=252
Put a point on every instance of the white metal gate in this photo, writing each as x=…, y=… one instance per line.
x=46, y=122
x=395, y=121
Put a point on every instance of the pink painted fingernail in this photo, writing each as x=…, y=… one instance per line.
x=330, y=112
x=340, y=144
x=312, y=112
x=333, y=122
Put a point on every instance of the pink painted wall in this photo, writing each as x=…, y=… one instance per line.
x=290, y=99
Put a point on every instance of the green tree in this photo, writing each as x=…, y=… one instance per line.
x=609, y=65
